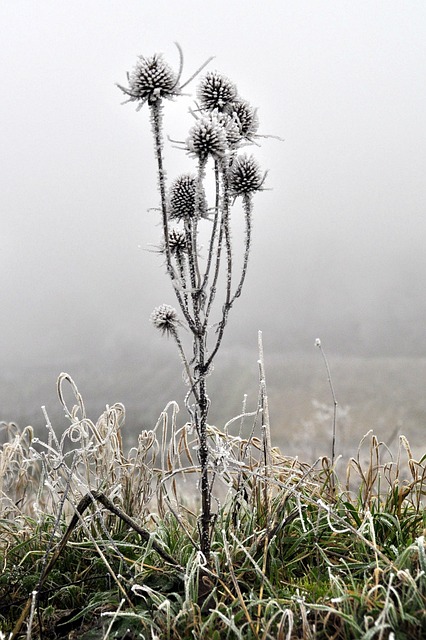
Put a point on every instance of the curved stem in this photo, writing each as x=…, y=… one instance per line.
x=193, y=384
x=156, y=122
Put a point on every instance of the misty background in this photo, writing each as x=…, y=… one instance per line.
x=339, y=236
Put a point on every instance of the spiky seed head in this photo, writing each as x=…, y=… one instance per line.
x=245, y=175
x=177, y=242
x=152, y=79
x=245, y=116
x=215, y=91
x=183, y=198
x=165, y=319
x=208, y=137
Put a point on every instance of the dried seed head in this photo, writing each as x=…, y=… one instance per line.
x=165, y=319
x=215, y=91
x=177, y=242
x=208, y=137
x=152, y=79
x=183, y=198
x=245, y=176
x=245, y=116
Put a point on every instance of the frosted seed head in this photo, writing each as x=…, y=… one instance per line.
x=208, y=137
x=215, y=91
x=151, y=79
x=245, y=175
x=177, y=243
x=165, y=319
x=183, y=198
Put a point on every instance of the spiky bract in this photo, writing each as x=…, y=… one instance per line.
x=177, y=243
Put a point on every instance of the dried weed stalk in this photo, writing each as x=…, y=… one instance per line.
x=205, y=289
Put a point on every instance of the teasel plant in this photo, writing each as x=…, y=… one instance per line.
x=224, y=124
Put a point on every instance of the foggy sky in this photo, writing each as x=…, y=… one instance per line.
x=338, y=248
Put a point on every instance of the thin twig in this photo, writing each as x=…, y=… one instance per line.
x=330, y=382
x=84, y=503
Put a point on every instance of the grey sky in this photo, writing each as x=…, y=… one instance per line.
x=339, y=239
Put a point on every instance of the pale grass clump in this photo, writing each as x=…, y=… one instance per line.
x=383, y=481
x=19, y=472
x=40, y=477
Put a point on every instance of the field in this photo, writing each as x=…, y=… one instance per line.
x=99, y=529
x=382, y=394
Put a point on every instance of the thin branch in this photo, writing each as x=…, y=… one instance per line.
x=84, y=503
x=330, y=382
x=247, y=203
x=156, y=121
x=227, y=235
x=211, y=247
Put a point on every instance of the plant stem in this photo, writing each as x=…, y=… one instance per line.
x=203, y=453
x=156, y=122
x=212, y=240
x=330, y=382
x=247, y=204
x=227, y=235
